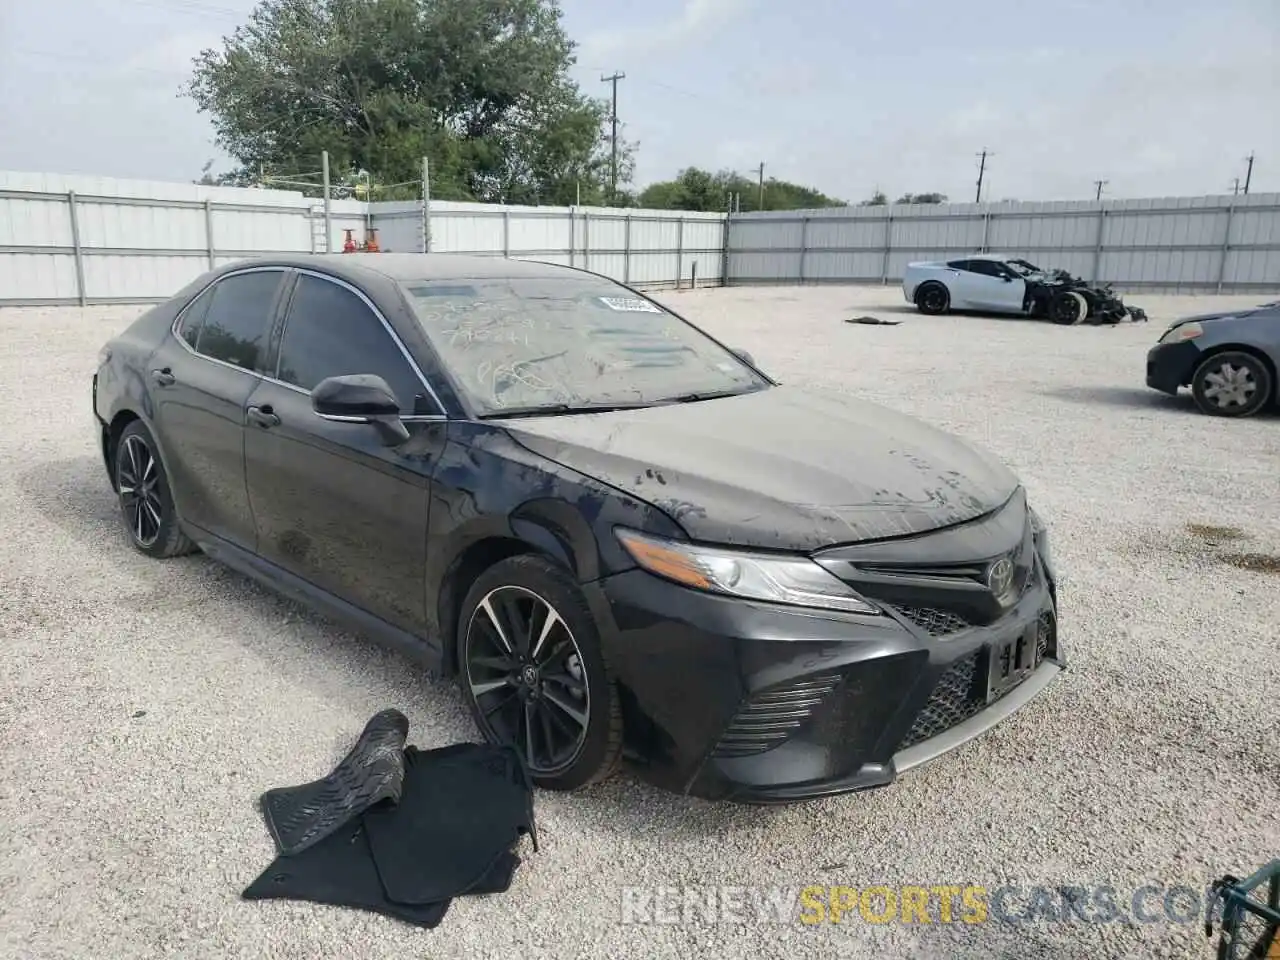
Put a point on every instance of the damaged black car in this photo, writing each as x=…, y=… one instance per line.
x=622, y=538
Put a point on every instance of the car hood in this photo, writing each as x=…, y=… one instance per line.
x=782, y=468
x=1226, y=314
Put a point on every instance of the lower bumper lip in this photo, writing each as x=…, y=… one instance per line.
x=695, y=666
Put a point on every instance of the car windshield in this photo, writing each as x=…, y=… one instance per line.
x=566, y=343
x=1023, y=268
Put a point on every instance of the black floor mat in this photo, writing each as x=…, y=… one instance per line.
x=463, y=807
x=339, y=871
x=299, y=817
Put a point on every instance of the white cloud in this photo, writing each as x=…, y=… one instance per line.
x=697, y=18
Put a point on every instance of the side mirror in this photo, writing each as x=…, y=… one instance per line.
x=361, y=398
x=743, y=355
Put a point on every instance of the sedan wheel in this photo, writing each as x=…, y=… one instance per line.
x=146, y=504
x=533, y=673
x=1231, y=384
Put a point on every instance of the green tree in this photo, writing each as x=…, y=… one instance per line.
x=697, y=189
x=878, y=199
x=922, y=198
x=480, y=87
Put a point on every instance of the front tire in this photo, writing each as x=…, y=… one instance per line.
x=1232, y=384
x=146, y=502
x=534, y=674
x=933, y=298
x=1068, y=308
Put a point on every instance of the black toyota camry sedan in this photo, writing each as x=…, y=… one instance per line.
x=620, y=536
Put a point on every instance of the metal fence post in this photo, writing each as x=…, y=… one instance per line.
x=626, y=251
x=724, y=246
x=586, y=240
x=1097, y=247
x=804, y=244
x=573, y=238
x=208, y=233
x=506, y=233
x=75, y=246
x=1226, y=248
x=986, y=230
x=679, y=252
x=426, y=205
x=888, y=247
x=328, y=204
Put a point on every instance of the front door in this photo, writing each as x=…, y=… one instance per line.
x=199, y=382
x=332, y=503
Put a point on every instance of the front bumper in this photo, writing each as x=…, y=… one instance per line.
x=729, y=699
x=1170, y=365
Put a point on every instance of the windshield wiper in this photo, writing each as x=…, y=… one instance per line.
x=559, y=409
x=706, y=395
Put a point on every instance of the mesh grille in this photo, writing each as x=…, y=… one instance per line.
x=956, y=698
x=935, y=622
x=768, y=718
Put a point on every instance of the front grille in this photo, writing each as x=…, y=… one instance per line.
x=1046, y=635
x=957, y=697
x=769, y=718
x=935, y=622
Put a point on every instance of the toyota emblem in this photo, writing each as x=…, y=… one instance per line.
x=1000, y=579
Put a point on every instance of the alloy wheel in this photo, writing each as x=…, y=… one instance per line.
x=1230, y=386
x=138, y=483
x=524, y=670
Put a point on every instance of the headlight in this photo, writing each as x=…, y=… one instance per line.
x=797, y=581
x=1183, y=331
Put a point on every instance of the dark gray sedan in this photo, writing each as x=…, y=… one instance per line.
x=1228, y=359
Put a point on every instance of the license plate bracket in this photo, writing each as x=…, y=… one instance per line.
x=1009, y=662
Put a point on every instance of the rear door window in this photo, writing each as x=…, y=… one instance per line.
x=193, y=318
x=238, y=322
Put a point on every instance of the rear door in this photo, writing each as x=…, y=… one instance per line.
x=332, y=504
x=199, y=381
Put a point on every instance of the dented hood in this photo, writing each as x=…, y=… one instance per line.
x=783, y=468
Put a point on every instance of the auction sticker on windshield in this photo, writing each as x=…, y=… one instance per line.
x=629, y=305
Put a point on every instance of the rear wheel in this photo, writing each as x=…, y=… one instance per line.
x=1232, y=384
x=534, y=674
x=146, y=502
x=933, y=298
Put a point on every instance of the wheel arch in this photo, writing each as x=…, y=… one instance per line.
x=462, y=571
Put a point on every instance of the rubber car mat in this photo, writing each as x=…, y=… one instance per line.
x=339, y=871
x=371, y=772
x=462, y=808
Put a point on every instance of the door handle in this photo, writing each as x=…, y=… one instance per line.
x=164, y=377
x=263, y=417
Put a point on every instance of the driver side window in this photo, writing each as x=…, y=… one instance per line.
x=331, y=332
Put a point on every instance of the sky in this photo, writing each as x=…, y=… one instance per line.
x=1158, y=98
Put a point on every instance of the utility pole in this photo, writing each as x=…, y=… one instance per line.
x=982, y=169
x=1100, y=184
x=762, y=186
x=613, y=136
x=1248, y=174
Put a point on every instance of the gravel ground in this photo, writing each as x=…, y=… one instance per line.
x=145, y=705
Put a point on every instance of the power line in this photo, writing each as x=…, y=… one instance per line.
x=613, y=136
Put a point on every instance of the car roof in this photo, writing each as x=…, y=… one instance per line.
x=418, y=266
